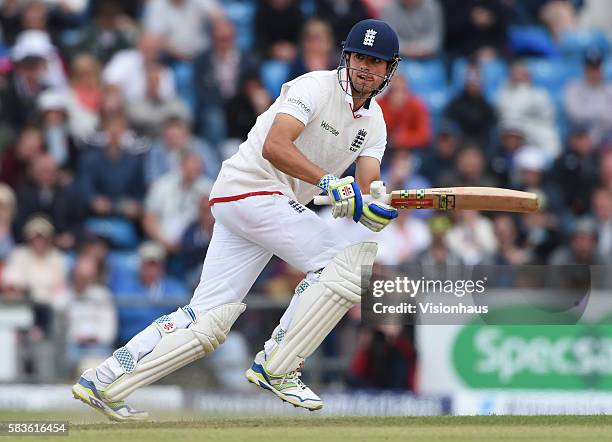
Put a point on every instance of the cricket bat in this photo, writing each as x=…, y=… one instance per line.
x=455, y=198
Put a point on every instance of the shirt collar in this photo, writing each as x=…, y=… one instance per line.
x=365, y=110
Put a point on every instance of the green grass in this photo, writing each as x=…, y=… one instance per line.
x=315, y=428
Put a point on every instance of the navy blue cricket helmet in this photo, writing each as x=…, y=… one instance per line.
x=374, y=38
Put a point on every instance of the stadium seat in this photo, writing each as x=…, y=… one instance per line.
x=273, y=74
x=574, y=43
x=119, y=231
x=532, y=41
x=121, y=266
x=241, y=13
x=436, y=101
x=424, y=76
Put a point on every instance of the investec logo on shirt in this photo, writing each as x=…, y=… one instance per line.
x=328, y=127
x=299, y=103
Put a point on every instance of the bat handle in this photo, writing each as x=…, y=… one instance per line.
x=323, y=200
x=378, y=192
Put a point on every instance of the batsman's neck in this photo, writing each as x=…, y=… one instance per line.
x=358, y=101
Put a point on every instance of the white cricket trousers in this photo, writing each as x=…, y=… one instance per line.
x=246, y=234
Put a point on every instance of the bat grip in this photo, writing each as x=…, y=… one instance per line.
x=323, y=200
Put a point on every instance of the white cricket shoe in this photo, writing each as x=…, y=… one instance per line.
x=86, y=391
x=289, y=387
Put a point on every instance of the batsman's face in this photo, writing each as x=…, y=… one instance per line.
x=367, y=73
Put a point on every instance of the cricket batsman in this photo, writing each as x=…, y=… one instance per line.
x=321, y=123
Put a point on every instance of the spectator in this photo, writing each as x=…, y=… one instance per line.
x=402, y=172
x=113, y=102
x=218, y=75
x=277, y=29
x=407, y=117
x=194, y=243
x=589, y=100
x=148, y=114
x=34, y=16
x=54, y=16
x=440, y=159
x=470, y=169
x=97, y=247
x=45, y=194
x=438, y=255
x=576, y=171
x=14, y=289
x=165, y=154
x=127, y=70
x=605, y=169
x=405, y=240
x=16, y=160
x=18, y=95
x=511, y=139
x=341, y=15
x=316, y=49
x=582, y=247
x=472, y=238
x=471, y=110
x=559, y=16
x=530, y=174
x=43, y=268
x=111, y=179
x=242, y=110
x=542, y=232
x=38, y=43
x=182, y=25
x=85, y=96
x=7, y=213
x=602, y=211
x=91, y=314
x=530, y=107
x=107, y=33
x=61, y=145
x=385, y=358
x=419, y=24
x=508, y=251
x=150, y=286
x=172, y=202
x=475, y=28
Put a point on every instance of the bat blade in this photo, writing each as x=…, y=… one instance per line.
x=466, y=198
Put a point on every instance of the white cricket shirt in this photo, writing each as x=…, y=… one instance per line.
x=333, y=138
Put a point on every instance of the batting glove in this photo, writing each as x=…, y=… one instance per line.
x=376, y=215
x=344, y=195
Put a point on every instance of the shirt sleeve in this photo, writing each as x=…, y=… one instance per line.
x=302, y=99
x=154, y=200
x=153, y=17
x=377, y=148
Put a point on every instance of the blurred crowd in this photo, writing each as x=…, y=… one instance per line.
x=115, y=117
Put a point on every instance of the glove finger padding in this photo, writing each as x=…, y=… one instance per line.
x=376, y=216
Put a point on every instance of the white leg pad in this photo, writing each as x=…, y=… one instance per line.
x=177, y=348
x=322, y=305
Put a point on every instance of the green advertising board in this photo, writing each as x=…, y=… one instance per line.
x=564, y=357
